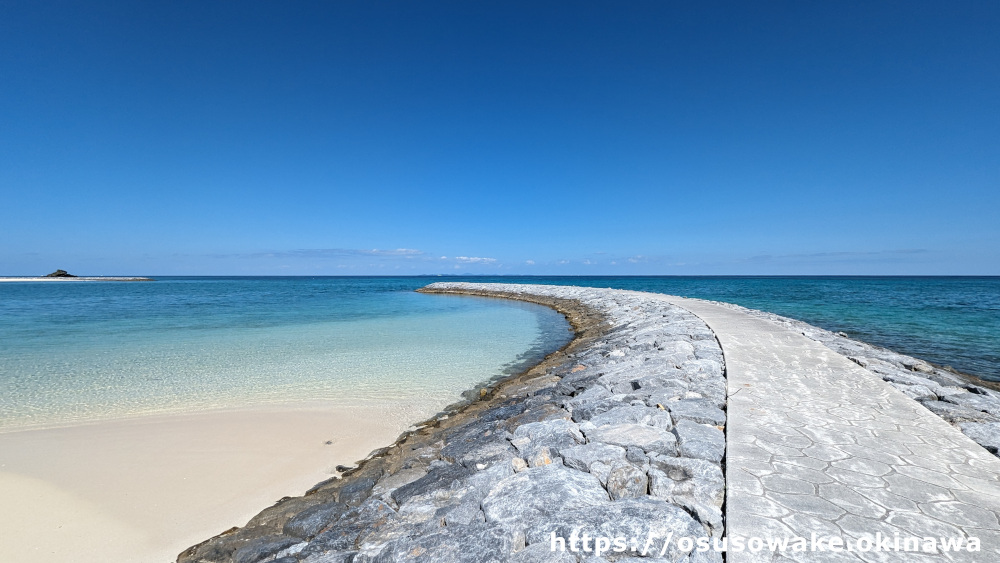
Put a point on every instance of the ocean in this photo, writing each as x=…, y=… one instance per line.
x=76, y=352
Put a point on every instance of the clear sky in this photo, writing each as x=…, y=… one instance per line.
x=500, y=137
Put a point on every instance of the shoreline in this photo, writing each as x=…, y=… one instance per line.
x=365, y=510
x=441, y=451
x=590, y=326
x=99, y=471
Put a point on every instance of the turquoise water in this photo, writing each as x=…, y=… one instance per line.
x=79, y=351
x=82, y=351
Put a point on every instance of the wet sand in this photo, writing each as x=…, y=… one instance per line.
x=144, y=489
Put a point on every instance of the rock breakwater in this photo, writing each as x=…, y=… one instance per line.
x=621, y=434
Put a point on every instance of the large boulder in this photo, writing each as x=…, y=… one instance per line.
x=649, y=438
x=539, y=493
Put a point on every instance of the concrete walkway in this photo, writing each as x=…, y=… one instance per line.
x=818, y=445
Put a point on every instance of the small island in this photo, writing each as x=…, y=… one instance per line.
x=60, y=274
x=63, y=275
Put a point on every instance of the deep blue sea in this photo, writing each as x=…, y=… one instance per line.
x=80, y=351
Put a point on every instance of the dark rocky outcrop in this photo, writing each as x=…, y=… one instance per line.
x=60, y=274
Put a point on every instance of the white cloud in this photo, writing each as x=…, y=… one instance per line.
x=327, y=252
x=475, y=260
x=562, y=261
x=588, y=262
x=394, y=252
x=529, y=262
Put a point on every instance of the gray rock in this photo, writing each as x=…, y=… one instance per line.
x=577, y=382
x=636, y=455
x=986, y=435
x=329, y=557
x=582, y=457
x=668, y=385
x=626, y=481
x=907, y=378
x=419, y=516
x=440, y=477
x=702, y=411
x=482, y=481
x=263, y=548
x=541, y=492
x=686, y=481
x=713, y=389
x=552, y=434
x=601, y=470
x=465, y=513
x=975, y=401
x=538, y=413
x=477, y=444
x=358, y=489
x=503, y=412
x=590, y=395
x=709, y=516
x=542, y=456
x=343, y=535
x=649, y=438
x=311, y=521
x=396, y=480
x=587, y=410
x=634, y=415
x=918, y=392
x=700, y=441
x=661, y=397
x=627, y=518
x=703, y=368
x=957, y=414
x=541, y=553
x=710, y=556
x=476, y=543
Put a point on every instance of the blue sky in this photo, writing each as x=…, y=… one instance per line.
x=500, y=137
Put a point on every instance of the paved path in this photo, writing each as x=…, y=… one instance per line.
x=819, y=445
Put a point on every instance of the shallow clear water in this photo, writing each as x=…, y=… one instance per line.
x=81, y=351
x=78, y=351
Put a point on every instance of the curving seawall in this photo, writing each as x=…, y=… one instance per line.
x=621, y=431
x=633, y=431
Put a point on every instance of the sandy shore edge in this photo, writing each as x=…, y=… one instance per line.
x=588, y=326
x=143, y=489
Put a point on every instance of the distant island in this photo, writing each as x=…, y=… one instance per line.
x=60, y=274
x=63, y=275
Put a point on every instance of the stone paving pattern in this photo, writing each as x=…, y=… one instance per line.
x=968, y=403
x=815, y=443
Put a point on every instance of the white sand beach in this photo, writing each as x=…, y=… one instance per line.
x=144, y=489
